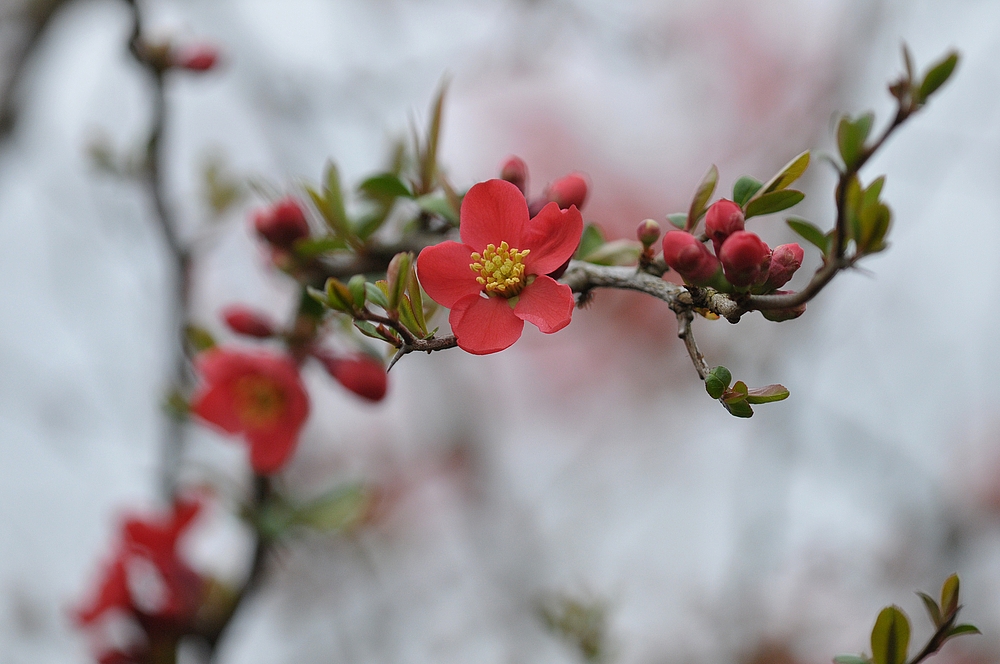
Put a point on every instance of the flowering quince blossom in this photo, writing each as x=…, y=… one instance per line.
x=496, y=277
x=147, y=579
x=257, y=394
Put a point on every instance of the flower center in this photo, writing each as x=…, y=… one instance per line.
x=500, y=269
x=259, y=401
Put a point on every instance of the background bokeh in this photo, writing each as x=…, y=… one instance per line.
x=588, y=464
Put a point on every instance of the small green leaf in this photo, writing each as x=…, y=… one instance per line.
x=417, y=300
x=369, y=223
x=699, y=204
x=809, y=233
x=314, y=246
x=397, y=277
x=376, y=295
x=937, y=75
x=439, y=205
x=717, y=380
x=333, y=210
x=678, y=219
x=932, y=608
x=199, y=338
x=744, y=189
x=338, y=510
x=890, y=636
x=851, y=137
x=616, y=252
x=428, y=158
x=591, y=239
x=949, y=596
x=357, y=287
x=409, y=319
x=738, y=408
x=338, y=296
x=776, y=201
x=850, y=659
x=872, y=192
x=368, y=330
x=385, y=185
x=788, y=174
x=767, y=394
x=958, y=630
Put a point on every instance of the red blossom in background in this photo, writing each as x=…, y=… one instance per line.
x=496, y=278
x=283, y=223
x=256, y=394
x=568, y=191
x=196, y=58
x=246, y=321
x=515, y=171
x=360, y=374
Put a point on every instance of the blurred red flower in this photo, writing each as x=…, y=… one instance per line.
x=258, y=395
x=509, y=255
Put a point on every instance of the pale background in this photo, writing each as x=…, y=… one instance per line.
x=590, y=462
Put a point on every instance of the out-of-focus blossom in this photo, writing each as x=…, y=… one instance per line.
x=283, y=223
x=199, y=58
x=360, y=374
x=568, y=191
x=496, y=278
x=244, y=320
x=515, y=171
x=256, y=394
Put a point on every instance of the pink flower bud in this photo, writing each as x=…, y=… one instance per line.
x=648, y=232
x=283, y=223
x=197, y=58
x=744, y=258
x=360, y=374
x=568, y=191
x=515, y=171
x=722, y=220
x=689, y=258
x=785, y=260
x=779, y=315
x=244, y=320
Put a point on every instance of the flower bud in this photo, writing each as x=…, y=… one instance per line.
x=515, y=171
x=723, y=219
x=196, y=58
x=779, y=315
x=648, y=233
x=568, y=191
x=689, y=258
x=244, y=320
x=360, y=374
x=744, y=258
x=283, y=223
x=785, y=260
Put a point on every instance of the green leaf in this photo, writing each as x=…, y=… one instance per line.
x=850, y=659
x=616, y=252
x=314, y=246
x=788, y=174
x=932, y=608
x=809, y=233
x=357, y=287
x=767, y=394
x=369, y=223
x=949, y=596
x=199, y=338
x=890, y=636
x=333, y=210
x=937, y=75
x=872, y=192
x=385, y=185
x=409, y=319
x=428, y=160
x=872, y=225
x=439, y=205
x=699, y=204
x=591, y=239
x=678, y=219
x=776, y=201
x=338, y=510
x=417, y=300
x=744, y=189
x=738, y=408
x=717, y=380
x=368, y=330
x=851, y=137
x=338, y=296
x=958, y=630
x=376, y=295
x=397, y=277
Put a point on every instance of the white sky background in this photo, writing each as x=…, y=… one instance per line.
x=589, y=468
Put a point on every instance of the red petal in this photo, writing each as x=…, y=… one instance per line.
x=215, y=406
x=484, y=325
x=445, y=273
x=552, y=236
x=270, y=449
x=113, y=594
x=546, y=304
x=493, y=212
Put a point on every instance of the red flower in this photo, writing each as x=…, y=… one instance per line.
x=256, y=394
x=283, y=223
x=360, y=374
x=244, y=320
x=509, y=256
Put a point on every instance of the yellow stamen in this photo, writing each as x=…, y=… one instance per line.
x=500, y=270
x=259, y=401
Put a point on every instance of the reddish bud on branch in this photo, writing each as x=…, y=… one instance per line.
x=785, y=260
x=360, y=374
x=283, y=223
x=689, y=258
x=196, y=58
x=515, y=171
x=648, y=232
x=779, y=315
x=722, y=220
x=744, y=258
x=568, y=191
x=244, y=320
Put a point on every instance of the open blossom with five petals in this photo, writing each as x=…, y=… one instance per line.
x=257, y=394
x=496, y=277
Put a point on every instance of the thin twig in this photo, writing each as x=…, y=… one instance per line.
x=686, y=334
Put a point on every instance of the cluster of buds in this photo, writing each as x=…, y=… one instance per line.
x=741, y=261
x=565, y=192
